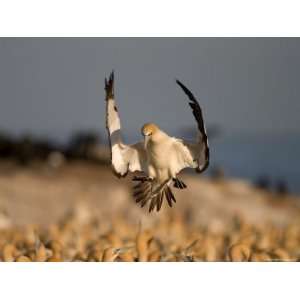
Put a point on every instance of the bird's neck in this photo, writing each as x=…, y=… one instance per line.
x=159, y=137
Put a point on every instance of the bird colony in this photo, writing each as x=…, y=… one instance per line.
x=81, y=239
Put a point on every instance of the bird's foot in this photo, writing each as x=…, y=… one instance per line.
x=142, y=178
x=179, y=184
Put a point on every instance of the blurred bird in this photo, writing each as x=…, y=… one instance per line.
x=9, y=252
x=111, y=253
x=23, y=258
x=239, y=252
x=160, y=157
x=260, y=256
x=143, y=240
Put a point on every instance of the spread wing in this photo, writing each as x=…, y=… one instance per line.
x=124, y=158
x=194, y=155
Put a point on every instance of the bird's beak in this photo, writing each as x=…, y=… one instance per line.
x=146, y=140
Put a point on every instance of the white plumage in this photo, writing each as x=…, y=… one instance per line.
x=159, y=156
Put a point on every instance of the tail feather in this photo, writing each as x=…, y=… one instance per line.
x=179, y=184
x=170, y=196
x=143, y=193
x=147, y=190
x=153, y=203
x=142, y=190
x=141, y=199
x=169, y=200
x=160, y=201
x=144, y=201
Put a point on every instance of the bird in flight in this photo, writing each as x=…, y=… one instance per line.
x=158, y=158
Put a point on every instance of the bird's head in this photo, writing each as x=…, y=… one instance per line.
x=149, y=129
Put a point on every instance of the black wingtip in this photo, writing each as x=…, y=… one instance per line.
x=187, y=91
x=112, y=75
x=109, y=85
x=179, y=83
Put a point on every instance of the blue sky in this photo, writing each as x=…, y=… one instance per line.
x=53, y=86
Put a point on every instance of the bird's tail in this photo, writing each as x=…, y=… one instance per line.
x=151, y=191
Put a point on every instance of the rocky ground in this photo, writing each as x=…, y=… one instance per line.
x=80, y=212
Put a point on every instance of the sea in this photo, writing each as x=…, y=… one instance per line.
x=269, y=159
x=272, y=159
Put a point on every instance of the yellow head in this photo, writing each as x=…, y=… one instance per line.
x=149, y=129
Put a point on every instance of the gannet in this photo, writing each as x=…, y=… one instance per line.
x=158, y=158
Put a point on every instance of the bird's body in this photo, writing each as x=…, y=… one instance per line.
x=165, y=154
x=159, y=156
x=159, y=152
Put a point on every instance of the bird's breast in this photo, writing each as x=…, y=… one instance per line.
x=159, y=154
